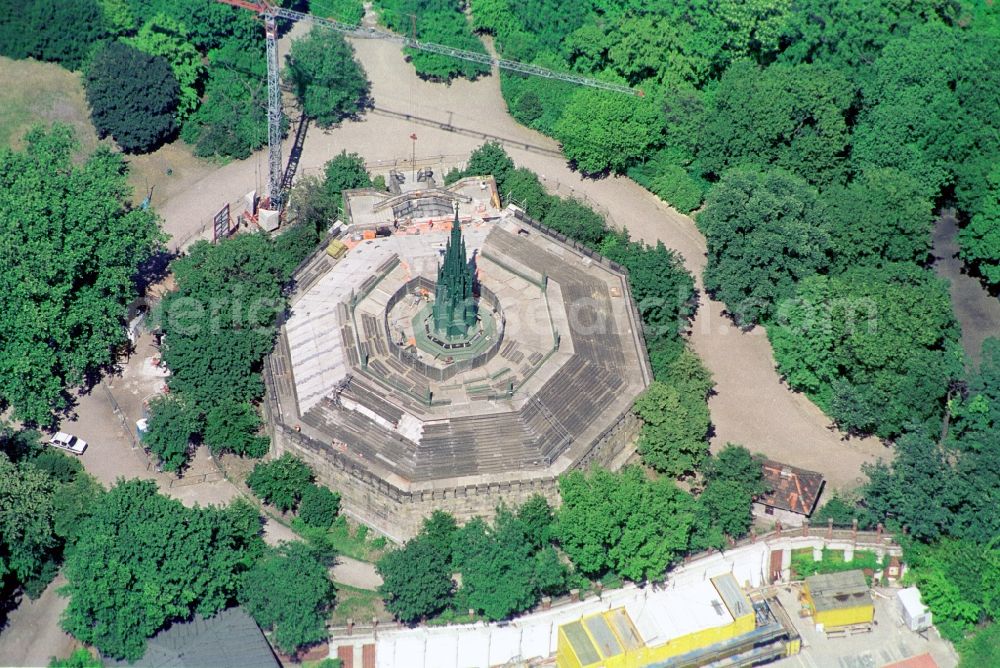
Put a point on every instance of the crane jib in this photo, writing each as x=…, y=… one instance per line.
x=271, y=13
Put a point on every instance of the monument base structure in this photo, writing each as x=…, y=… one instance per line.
x=403, y=419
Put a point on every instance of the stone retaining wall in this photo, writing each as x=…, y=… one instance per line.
x=398, y=513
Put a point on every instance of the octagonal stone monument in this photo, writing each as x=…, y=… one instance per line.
x=455, y=356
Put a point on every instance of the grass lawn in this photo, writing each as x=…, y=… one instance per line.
x=33, y=92
x=348, y=538
x=358, y=604
x=832, y=562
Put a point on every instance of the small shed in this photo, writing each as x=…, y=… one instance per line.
x=916, y=616
x=839, y=599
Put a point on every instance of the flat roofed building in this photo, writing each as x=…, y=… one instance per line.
x=683, y=620
x=839, y=599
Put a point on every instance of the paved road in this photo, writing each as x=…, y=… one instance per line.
x=752, y=405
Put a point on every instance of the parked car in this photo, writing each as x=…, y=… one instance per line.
x=68, y=442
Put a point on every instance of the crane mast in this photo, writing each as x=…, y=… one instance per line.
x=271, y=13
x=274, y=163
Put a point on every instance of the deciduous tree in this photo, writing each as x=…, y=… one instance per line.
x=328, y=80
x=762, y=240
x=602, y=131
x=418, y=577
x=980, y=238
x=167, y=37
x=674, y=437
x=881, y=216
x=72, y=247
x=26, y=519
x=791, y=117
x=281, y=482
x=614, y=522
x=497, y=566
x=289, y=592
x=232, y=118
x=171, y=424
x=876, y=348
x=133, y=97
x=319, y=506
x=143, y=560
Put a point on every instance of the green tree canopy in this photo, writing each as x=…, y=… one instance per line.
x=503, y=572
x=65, y=32
x=912, y=115
x=231, y=292
x=496, y=568
x=281, y=482
x=762, y=240
x=603, y=131
x=980, y=239
x=577, y=221
x=232, y=118
x=615, y=522
x=81, y=658
x=343, y=172
x=850, y=34
x=289, y=592
x=328, y=80
x=319, y=506
x=26, y=519
x=133, y=97
x=674, y=437
x=875, y=348
x=143, y=560
x=789, y=116
x=661, y=286
x=165, y=36
x=733, y=479
x=171, y=425
x=490, y=159
x=439, y=21
x=71, y=247
x=417, y=578
x=881, y=216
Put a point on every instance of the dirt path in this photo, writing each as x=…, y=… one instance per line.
x=977, y=311
x=32, y=635
x=752, y=406
x=348, y=571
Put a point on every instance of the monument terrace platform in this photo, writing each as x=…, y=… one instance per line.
x=541, y=382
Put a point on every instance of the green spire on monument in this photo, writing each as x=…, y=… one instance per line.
x=454, y=307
